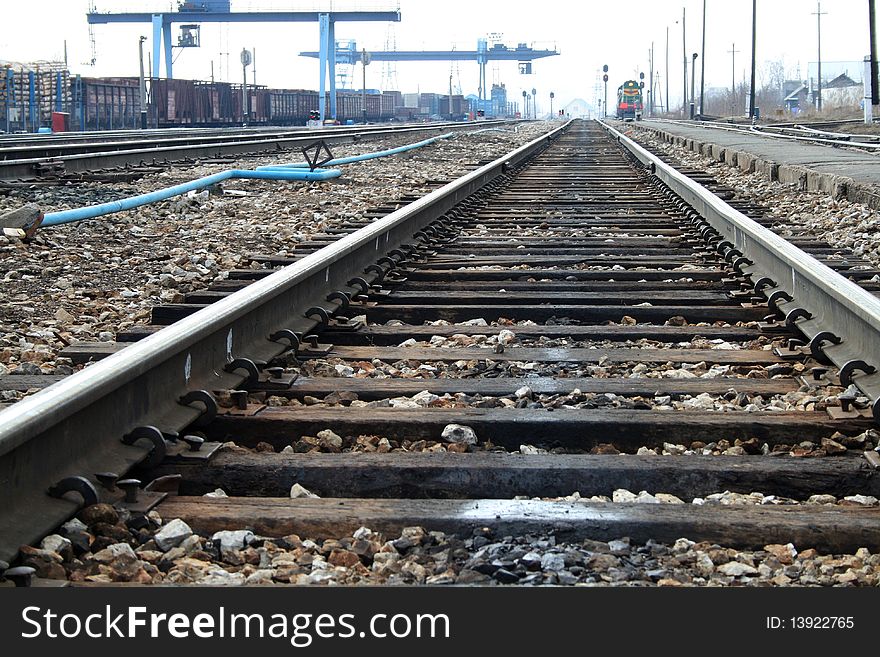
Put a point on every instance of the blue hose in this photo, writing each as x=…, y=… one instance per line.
x=273, y=172
x=92, y=211
x=358, y=158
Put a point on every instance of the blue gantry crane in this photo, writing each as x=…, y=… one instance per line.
x=193, y=13
x=523, y=53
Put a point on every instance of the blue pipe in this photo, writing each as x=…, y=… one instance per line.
x=358, y=158
x=294, y=171
x=92, y=211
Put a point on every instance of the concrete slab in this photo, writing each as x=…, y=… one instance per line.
x=837, y=171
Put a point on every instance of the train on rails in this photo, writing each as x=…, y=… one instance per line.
x=629, y=100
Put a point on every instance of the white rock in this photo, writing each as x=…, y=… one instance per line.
x=412, y=342
x=473, y=322
x=74, y=525
x=644, y=497
x=297, y=492
x=506, y=337
x=523, y=393
x=172, y=534
x=622, y=495
x=736, y=569
x=674, y=449
x=425, y=398
x=330, y=438
x=233, y=540
x=260, y=577
x=55, y=543
x=219, y=492
x=865, y=500
x=531, y=449
x=459, y=433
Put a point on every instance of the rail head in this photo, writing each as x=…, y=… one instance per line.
x=836, y=304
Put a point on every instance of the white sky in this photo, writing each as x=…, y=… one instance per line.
x=587, y=33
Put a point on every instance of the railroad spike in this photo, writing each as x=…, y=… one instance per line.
x=207, y=400
x=247, y=365
x=851, y=367
x=152, y=434
x=81, y=485
x=817, y=346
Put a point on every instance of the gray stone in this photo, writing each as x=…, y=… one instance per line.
x=115, y=553
x=552, y=562
x=172, y=534
x=459, y=433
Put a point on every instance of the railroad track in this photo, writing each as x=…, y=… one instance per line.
x=795, y=132
x=47, y=159
x=505, y=338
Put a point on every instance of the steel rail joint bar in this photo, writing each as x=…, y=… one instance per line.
x=74, y=427
x=837, y=304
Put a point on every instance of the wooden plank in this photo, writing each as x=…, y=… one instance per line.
x=579, y=429
x=680, y=297
x=83, y=352
x=550, y=286
x=491, y=312
x=501, y=475
x=371, y=389
x=560, y=355
x=522, y=274
x=394, y=335
x=833, y=529
x=25, y=382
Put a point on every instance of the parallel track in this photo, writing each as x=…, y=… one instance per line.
x=592, y=252
x=34, y=159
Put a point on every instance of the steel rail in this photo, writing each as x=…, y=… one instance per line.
x=74, y=427
x=835, y=304
x=129, y=155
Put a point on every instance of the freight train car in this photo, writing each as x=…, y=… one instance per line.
x=106, y=103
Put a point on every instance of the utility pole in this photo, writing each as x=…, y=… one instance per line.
x=651, y=81
x=684, y=87
x=875, y=83
x=818, y=14
x=450, y=96
x=143, y=84
x=754, y=42
x=365, y=59
x=245, y=62
x=534, y=103
x=666, y=108
x=733, y=52
x=693, y=79
x=254, y=67
x=703, y=62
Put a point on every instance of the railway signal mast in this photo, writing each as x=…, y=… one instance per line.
x=605, y=80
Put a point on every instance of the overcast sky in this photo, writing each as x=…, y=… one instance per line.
x=587, y=33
